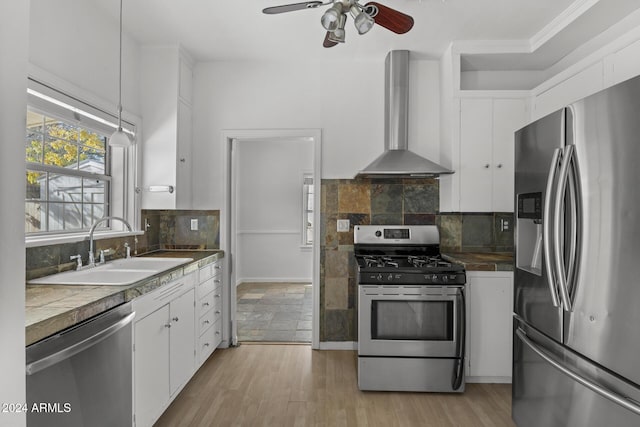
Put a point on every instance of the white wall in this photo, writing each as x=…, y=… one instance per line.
x=343, y=98
x=74, y=41
x=269, y=210
x=13, y=69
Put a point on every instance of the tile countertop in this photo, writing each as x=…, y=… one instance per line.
x=482, y=261
x=52, y=308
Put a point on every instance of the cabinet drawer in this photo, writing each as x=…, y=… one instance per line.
x=209, y=285
x=209, y=340
x=208, y=318
x=150, y=302
x=210, y=270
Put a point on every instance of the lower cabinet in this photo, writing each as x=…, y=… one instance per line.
x=208, y=310
x=489, y=326
x=164, y=347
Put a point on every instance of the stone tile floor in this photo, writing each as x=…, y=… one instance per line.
x=269, y=312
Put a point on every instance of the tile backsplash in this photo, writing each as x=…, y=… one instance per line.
x=388, y=201
x=168, y=229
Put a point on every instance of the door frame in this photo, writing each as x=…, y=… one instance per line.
x=228, y=219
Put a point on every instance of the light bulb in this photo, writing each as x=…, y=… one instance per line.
x=363, y=23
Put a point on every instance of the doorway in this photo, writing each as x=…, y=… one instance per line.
x=272, y=235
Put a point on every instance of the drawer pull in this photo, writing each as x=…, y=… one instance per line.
x=205, y=304
x=167, y=325
x=217, y=296
x=217, y=311
x=206, y=344
x=175, y=319
x=217, y=267
x=216, y=281
x=217, y=332
x=206, y=322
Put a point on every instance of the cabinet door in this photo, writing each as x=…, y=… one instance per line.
x=151, y=359
x=476, y=124
x=184, y=163
x=182, y=340
x=490, y=325
x=509, y=115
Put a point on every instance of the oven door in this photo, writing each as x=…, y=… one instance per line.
x=411, y=321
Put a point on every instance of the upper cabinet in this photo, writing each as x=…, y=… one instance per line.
x=486, y=138
x=166, y=99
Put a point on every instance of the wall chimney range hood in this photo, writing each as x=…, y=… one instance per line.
x=396, y=160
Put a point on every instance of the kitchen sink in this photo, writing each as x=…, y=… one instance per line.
x=116, y=273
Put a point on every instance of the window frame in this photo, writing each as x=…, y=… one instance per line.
x=64, y=101
x=305, y=241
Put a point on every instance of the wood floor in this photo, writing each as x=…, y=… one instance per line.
x=292, y=385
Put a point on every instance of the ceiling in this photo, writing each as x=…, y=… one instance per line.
x=547, y=32
x=238, y=30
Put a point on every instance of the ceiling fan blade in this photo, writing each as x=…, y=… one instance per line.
x=327, y=42
x=388, y=18
x=291, y=7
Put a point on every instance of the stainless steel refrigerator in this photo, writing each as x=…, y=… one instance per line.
x=576, y=353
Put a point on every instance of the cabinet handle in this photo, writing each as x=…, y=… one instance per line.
x=216, y=281
x=175, y=319
x=206, y=322
x=205, y=304
x=499, y=165
x=217, y=332
x=486, y=166
x=216, y=296
x=182, y=160
x=217, y=311
x=206, y=344
x=167, y=325
x=217, y=267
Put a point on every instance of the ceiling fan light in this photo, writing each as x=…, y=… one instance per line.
x=331, y=17
x=363, y=23
x=338, y=35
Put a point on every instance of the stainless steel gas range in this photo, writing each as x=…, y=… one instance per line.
x=411, y=311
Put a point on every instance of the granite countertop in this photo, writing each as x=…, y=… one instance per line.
x=52, y=308
x=482, y=261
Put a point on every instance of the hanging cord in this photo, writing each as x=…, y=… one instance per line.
x=120, y=75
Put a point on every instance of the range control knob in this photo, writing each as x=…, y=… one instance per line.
x=434, y=278
x=445, y=278
x=378, y=233
x=379, y=277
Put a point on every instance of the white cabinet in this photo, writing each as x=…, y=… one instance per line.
x=486, y=168
x=166, y=96
x=489, y=331
x=208, y=310
x=164, y=346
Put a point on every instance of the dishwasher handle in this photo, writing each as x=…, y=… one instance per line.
x=78, y=346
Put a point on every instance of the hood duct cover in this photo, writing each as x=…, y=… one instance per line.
x=397, y=160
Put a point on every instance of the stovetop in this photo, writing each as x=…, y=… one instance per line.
x=426, y=262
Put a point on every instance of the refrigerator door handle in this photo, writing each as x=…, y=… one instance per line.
x=597, y=388
x=547, y=228
x=561, y=273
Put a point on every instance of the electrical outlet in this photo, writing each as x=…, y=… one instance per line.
x=194, y=224
x=343, y=226
x=504, y=225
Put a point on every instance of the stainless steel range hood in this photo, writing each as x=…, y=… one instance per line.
x=396, y=160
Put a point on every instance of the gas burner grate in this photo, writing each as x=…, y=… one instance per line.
x=379, y=261
x=427, y=261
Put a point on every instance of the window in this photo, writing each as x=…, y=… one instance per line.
x=68, y=164
x=307, y=209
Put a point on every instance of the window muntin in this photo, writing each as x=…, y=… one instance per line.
x=67, y=179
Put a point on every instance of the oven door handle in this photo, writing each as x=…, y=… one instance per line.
x=458, y=369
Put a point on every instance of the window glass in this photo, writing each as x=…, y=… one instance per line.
x=67, y=180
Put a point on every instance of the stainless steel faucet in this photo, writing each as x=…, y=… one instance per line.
x=92, y=259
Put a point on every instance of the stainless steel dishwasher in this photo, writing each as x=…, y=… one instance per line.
x=82, y=376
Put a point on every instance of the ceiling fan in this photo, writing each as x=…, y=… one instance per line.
x=364, y=16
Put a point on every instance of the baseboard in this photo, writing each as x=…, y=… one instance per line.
x=338, y=345
x=489, y=380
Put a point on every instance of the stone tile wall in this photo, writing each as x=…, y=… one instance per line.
x=169, y=229
x=388, y=201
